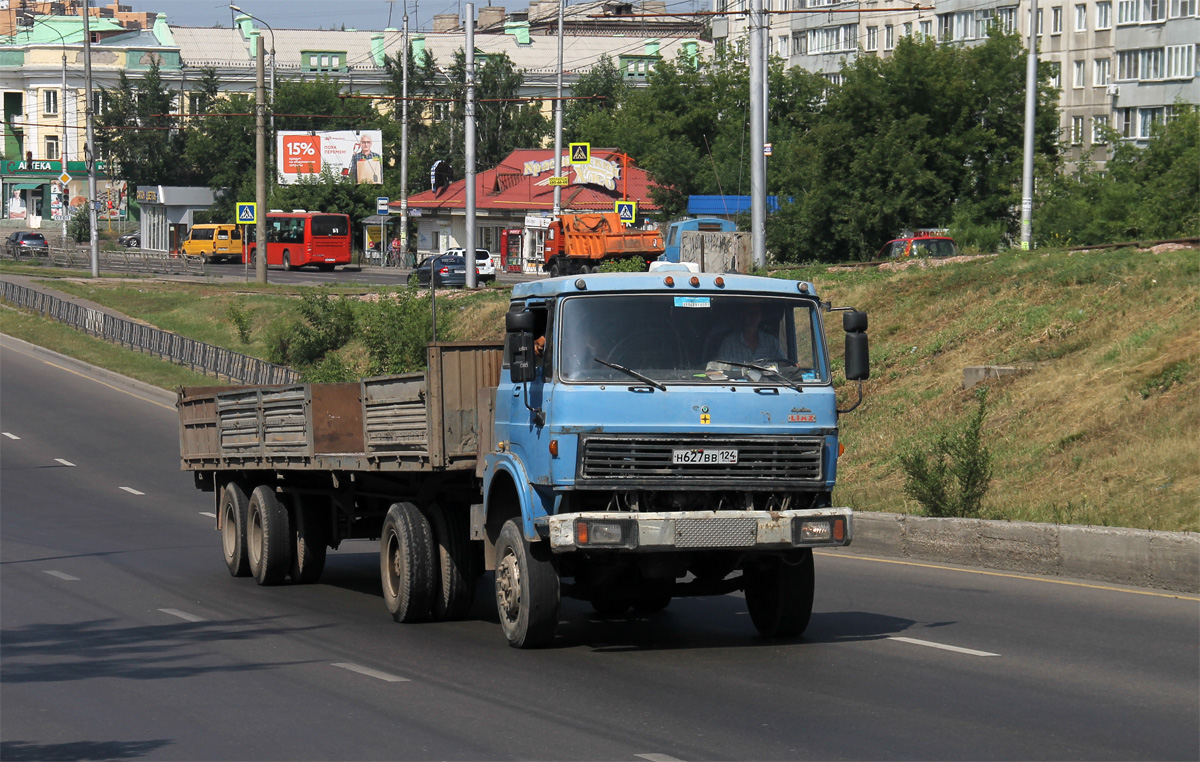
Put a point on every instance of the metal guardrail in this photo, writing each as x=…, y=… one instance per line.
x=197, y=355
x=125, y=260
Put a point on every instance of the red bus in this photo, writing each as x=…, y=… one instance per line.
x=296, y=239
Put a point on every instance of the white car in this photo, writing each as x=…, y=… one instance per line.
x=485, y=263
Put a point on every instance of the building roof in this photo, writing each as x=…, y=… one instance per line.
x=521, y=183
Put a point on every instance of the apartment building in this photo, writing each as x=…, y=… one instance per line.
x=1120, y=64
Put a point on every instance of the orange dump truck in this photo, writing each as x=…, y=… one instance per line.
x=580, y=243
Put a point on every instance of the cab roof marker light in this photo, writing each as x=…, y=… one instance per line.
x=669, y=281
x=803, y=287
x=579, y=283
x=694, y=281
x=720, y=282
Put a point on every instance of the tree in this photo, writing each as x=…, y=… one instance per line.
x=139, y=132
x=600, y=90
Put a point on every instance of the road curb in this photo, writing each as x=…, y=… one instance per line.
x=1165, y=560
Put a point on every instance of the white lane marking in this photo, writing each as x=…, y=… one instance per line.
x=658, y=758
x=61, y=575
x=210, y=514
x=956, y=649
x=64, y=462
x=132, y=491
x=184, y=615
x=371, y=672
x=11, y=436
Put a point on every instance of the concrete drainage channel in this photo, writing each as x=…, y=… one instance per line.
x=1165, y=560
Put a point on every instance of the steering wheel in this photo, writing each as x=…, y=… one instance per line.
x=780, y=361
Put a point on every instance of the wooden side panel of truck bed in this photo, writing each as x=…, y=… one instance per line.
x=410, y=422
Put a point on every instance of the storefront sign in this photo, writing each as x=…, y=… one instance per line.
x=596, y=171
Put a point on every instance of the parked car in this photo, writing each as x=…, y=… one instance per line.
x=133, y=239
x=919, y=246
x=25, y=243
x=485, y=263
x=446, y=270
x=214, y=243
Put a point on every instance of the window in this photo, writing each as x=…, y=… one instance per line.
x=1154, y=10
x=49, y=101
x=1080, y=18
x=1079, y=74
x=833, y=39
x=1056, y=20
x=872, y=38
x=1147, y=118
x=1152, y=64
x=1056, y=75
x=800, y=44
x=983, y=23
x=1127, y=11
x=945, y=27
x=926, y=30
x=781, y=47
x=322, y=60
x=1007, y=19
x=51, y=147
x=1127, y=122
x=1128, y=63
x=1040, y=26
x=1076, y=130
x=1104, y=15
x=1180, y=61
x=908, y=29
x=834, y=79
x=1100, y=72
x=1183, y=8
x=889, y=37
x=1100, y=130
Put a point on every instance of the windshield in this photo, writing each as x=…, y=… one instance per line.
x=934, y=247
x=689, y=338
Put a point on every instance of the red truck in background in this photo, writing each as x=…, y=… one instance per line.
x=580, y=243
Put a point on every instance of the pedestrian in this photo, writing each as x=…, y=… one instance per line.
x=394, y=253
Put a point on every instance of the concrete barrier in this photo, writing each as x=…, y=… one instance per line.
x=1165, y=560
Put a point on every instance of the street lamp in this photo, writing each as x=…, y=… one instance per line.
x=66, y=130
x=236, y=9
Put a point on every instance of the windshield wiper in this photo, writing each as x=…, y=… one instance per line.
x=632, y=373
x=765, y=369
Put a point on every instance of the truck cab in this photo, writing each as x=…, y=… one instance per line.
x=673, y=425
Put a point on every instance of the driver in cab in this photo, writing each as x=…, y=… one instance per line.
x=749, y=343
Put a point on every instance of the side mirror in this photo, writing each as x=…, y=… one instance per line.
x=519, y=326
x=518, y=322
x=858, y=360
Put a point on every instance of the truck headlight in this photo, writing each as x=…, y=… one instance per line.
x=818, y=531
x=607, y=533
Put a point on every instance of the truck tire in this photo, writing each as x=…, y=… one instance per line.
x=311, y=540
x=455, y=585
x=779, y=594
x=406, y=563
x=268, y=537
x=527, y=589
x=233, y=529
x=555, y=271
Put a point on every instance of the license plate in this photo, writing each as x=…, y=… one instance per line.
x=704, y=457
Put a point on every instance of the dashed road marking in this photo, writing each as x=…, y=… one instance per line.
x=11, y=436
x=657, y=758
x=61, y=575
x=210, y=514
x=371, y=672
x=184, y=615
x=956, y=649
x=132, y=491
x=64, y=462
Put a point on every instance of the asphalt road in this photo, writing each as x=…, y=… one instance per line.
x=373, y=276
x=123, y=636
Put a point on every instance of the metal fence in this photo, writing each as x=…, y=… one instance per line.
x=197, y=355
x=124, y=260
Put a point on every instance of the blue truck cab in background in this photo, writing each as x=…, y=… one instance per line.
x=697, y=224
x=655, y=433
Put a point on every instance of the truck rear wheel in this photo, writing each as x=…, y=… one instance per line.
x=779, y=594
x=455, y=586
x=554, y=270
x=233, y=529
x=406, y=563
x=311, y=540
x=268, y=536
x=527, y=589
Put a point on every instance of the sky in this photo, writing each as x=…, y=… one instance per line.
x=328, y=14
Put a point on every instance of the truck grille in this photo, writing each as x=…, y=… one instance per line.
x=609, y=460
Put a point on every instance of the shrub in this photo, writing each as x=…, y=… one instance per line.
x=240, y=319
x=79, y=227
x=324, y=324
x=395, y=332
x=627, y=265
x=952, y=479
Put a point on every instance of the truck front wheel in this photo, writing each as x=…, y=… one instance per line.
x=527, y=589
x=406, y=563
x=268, y=537
x=779, y=594
x=233, y=529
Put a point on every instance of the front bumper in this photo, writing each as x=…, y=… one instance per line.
x=698, y=530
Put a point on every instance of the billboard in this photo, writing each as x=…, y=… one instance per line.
x=349, y=153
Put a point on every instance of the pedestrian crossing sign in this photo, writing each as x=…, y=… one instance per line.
x=626, y=210
x=247, y=213
x=580, y=153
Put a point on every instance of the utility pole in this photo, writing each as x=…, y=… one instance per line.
x=404, y=145
x=758, y=178
x=260, y=164
x=1030, y=114
x=90, y=158
x=469, y=253
x=558, y=115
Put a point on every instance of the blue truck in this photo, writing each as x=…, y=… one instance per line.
x=695, y=224
x=637, y=437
